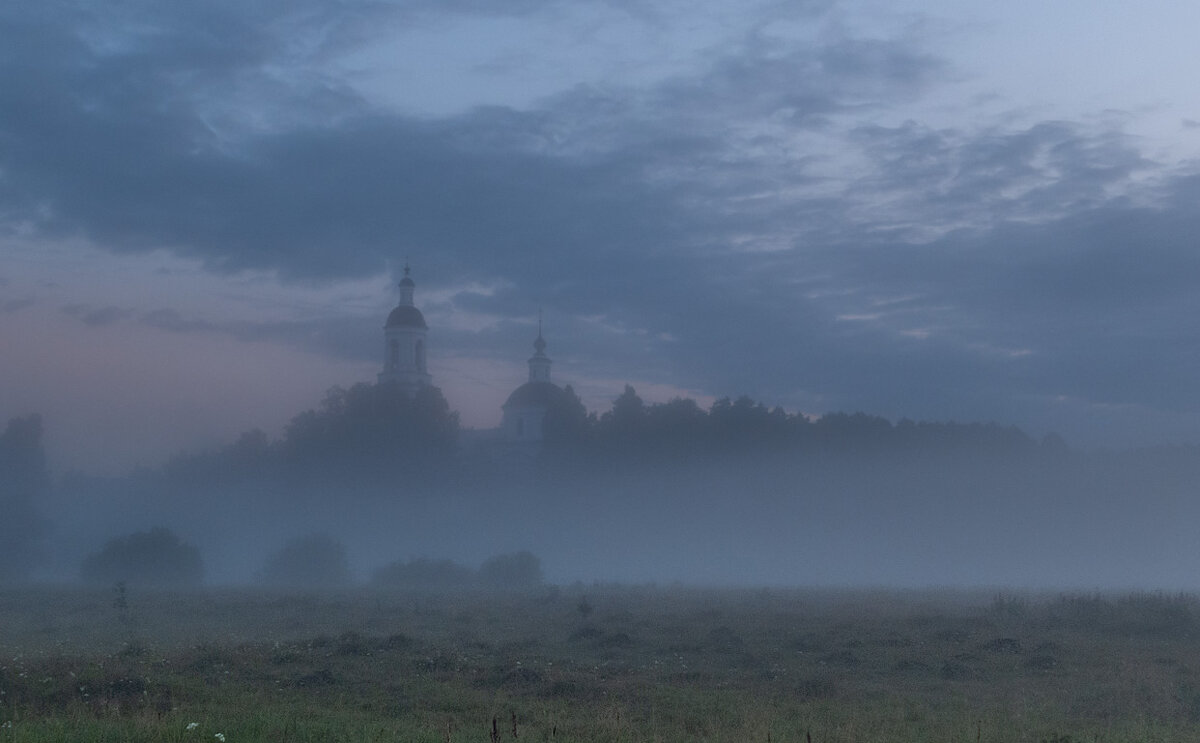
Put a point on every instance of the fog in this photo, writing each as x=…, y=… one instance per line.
x=985, y=507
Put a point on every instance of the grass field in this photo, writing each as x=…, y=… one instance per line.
x=598, y=663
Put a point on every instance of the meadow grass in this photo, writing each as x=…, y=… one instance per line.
x=640, y=664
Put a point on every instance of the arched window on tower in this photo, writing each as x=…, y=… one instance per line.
x=420, y=356
x=393, y=353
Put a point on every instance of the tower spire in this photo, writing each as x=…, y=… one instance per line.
x=539, y=345
x=406, y=287
x=539, y=364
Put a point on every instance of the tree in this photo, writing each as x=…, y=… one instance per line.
x=513, y=570
x=567, y=422
x=313, y=560
x=622, y=430
x=628, y=413
x=250, y=457
x=372, y=428
x=154, y=558
x=24, y=481
x=678, y=426
x=744, y=423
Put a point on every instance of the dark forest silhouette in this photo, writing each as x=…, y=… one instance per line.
x=375, y=430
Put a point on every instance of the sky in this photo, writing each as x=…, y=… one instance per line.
x=912, y=208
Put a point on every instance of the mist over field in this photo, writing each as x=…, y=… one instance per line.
x=1046, y=525
x=855, y=502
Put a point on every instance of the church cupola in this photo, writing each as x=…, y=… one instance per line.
x=526, y=408
x=539, y=363
x=404, y=342
x=406, y=288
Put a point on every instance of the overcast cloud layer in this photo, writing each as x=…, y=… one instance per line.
x=826, y=206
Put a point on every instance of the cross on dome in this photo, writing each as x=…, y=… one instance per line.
x=539, y=345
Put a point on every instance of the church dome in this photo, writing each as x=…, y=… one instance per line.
x=406, y=316
x=535, y=394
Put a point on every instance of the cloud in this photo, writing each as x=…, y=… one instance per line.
x=96, y=317
x=347, y=337
x=16, y=305
x=169, y=133
x=740, y=205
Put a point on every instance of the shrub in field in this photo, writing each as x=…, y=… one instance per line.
x=513, y=570
x=424, y=574
x=156, y=557
x=312, y=560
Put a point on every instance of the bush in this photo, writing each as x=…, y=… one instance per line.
x=424, y=574
x=314, y=560
x=514, y=570
x=156, y=558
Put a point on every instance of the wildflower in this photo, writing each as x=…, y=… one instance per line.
x=192, y=726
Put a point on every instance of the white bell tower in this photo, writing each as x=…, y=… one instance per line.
x=404, y=342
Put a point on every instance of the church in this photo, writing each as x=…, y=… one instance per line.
x=404, y=364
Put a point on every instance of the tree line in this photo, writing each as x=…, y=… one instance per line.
x=371, y=431
x=736, y=426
